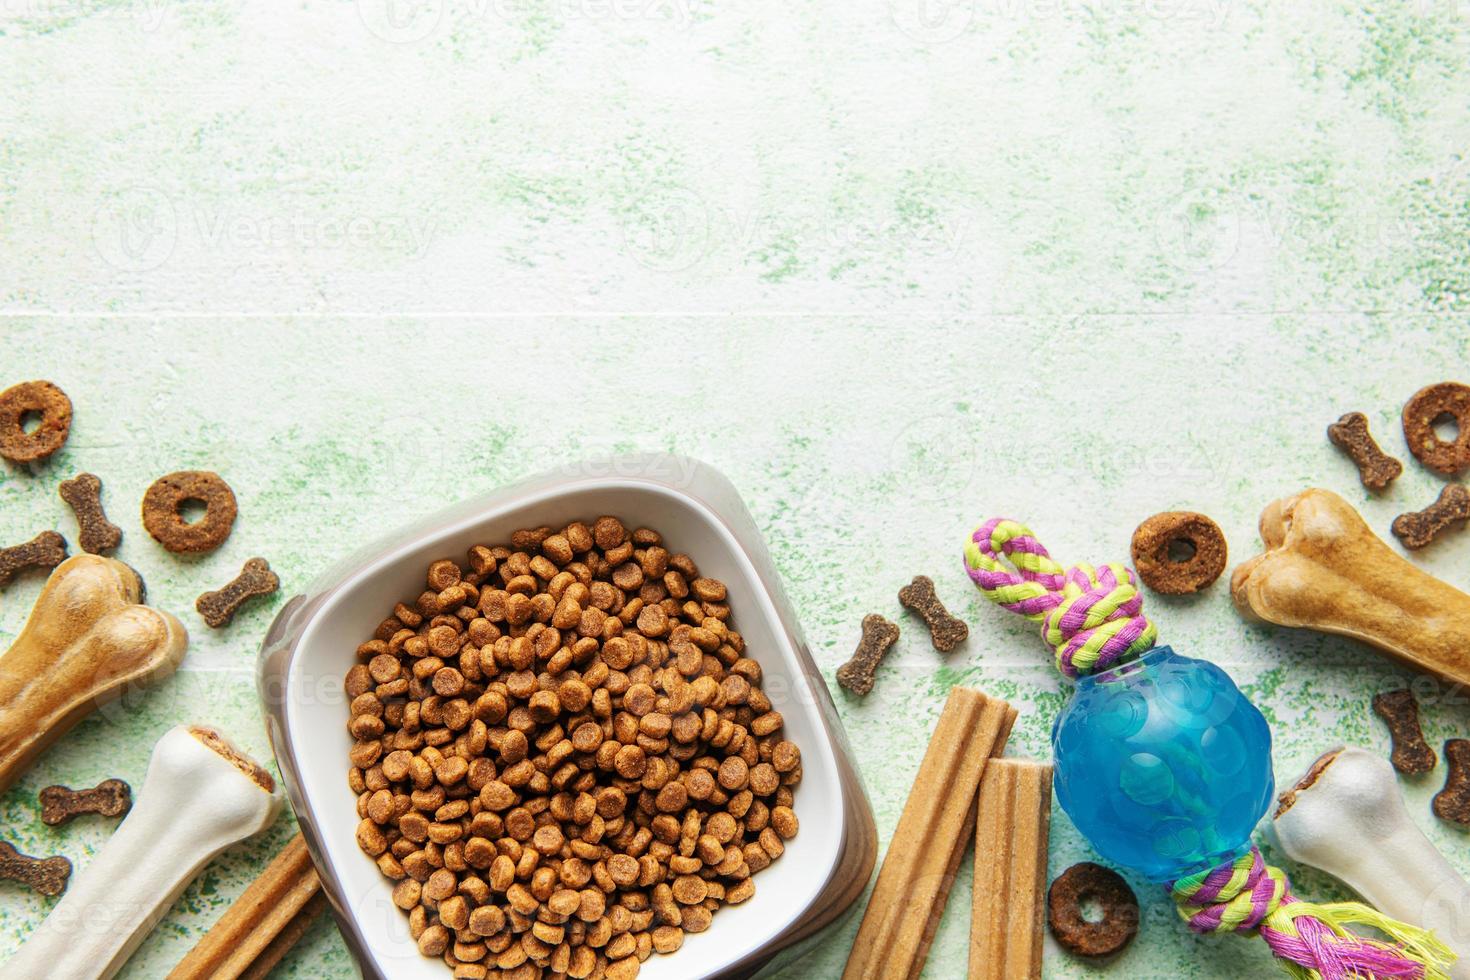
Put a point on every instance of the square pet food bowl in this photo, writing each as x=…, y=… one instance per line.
x=312, y=643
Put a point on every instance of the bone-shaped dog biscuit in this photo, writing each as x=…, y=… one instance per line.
x=1324, y=569
x=219, y=607
x=45, y=875
x=83, y=493
x=945, y=631
x=85, y=643
x=45, y=550
x=110, y=798
x=1376, y=468
x=1453, y=802
x=878, y=635
x=1398, y=709
x=1420, y=528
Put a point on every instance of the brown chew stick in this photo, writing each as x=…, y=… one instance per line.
x=1428, y=406
x=1323, y=569
x=110, y=798
x=257, y=925
x=878, y=635
x=277, y=948
x=1419, y=529
x=45, y=550
x=945, y=631
x=1376, y=468
x=1453, y=802
x=1010, y=870
x=83, y=494
x=45, y=875
x=919, y=869
x=1411, y=755
x=87, y=641
x=256, y=578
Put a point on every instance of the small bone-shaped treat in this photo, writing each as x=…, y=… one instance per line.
x=945, y=631
x=1411, y=755
x=45, y=875
x=1346, y=817
x=200, y=796
x=1419, y=529
x=45, y=550
x=1453, y=802
x=87, y=641
x=110, y=798
x=1376, y=468
x=256, y=578
x=1323, y=569
x=878, y=635
x=83, y=494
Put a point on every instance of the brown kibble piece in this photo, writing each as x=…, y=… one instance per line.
x=42, y=398
x=1420, y=528
x=110, y=798
x=45, y=875
x=1428, y=406
x=878, y=636
x=45, y=550
x=255, y=579
x=945, y=631
x=1400, y=711
x=163, y=505
x=83, y=494
x=1453, y=802
x=1084, y=884
x=1376, y=469
x=1194, y=533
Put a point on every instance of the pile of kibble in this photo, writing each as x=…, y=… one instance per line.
x=563, y=756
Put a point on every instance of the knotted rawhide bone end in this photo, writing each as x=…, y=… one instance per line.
x=945, y=631
x=1453, y=802
x=110, y=798
x=1376, y=468
x=83, y=494
x=45, y=550
x=1411, y=755
x=256, y=578
x=1324, y=569
x=878, y=635
x=1419, y=529
x=87, y=641
x=45, y=875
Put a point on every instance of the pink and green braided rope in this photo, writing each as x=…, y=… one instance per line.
x=1093, y=620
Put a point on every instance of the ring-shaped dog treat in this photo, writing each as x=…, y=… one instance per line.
x=1154, y=539
x=163, y=506
x=45, y=399
x=1075, y=888
x=1428, y=406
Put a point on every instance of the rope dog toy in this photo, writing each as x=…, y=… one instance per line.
x=1165, y=767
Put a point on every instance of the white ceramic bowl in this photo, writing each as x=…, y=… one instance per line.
x=312, y=643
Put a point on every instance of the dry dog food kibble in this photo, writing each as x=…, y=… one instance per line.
x=1453, y=802
x=1418, y=529
x=45, y=550
x=1429, y=406
x=1400, y=711
x=1200, y=540
x=83, y=494
x=110, y=798
x=1376, y=469
x=163, y=504
x=945, y=631
x=220, y=606
x=878, y=636
x=45, y=875
x=1084, y=884
x=52, y=409
x=564, y=757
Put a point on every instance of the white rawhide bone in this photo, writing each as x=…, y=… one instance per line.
x=200, y=796
x=1345, y=816
x=1323, y=569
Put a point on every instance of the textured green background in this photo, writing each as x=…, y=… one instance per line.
x=891, y=267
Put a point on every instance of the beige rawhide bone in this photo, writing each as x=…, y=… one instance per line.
x=200, y=796
x=1346, y=817
x=85, y=643
x=1323, y=569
